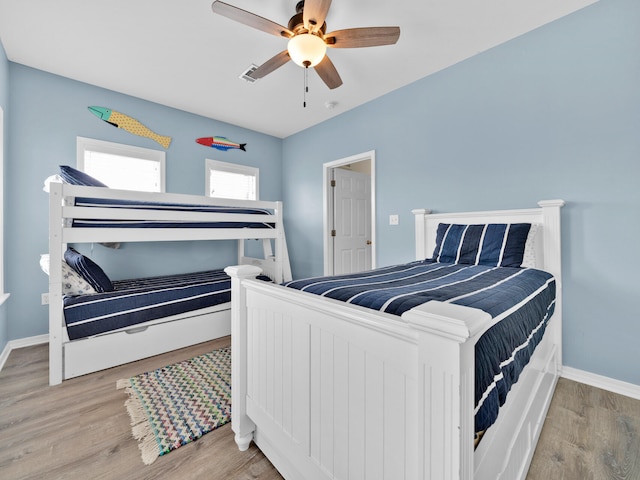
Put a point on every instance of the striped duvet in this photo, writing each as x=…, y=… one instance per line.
x=171, y=207
x=140, y=300
x=520, y=301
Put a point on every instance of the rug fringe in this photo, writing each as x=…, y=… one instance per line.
x=140, y=428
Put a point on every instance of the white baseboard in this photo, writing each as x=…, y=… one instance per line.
x=599, y=381
x=20, y=343
x=4, y=355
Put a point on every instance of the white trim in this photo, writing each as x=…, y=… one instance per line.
x=327, y=206
x=2, y=202
x=600, y=381
x=4, y=355
x=21, y=343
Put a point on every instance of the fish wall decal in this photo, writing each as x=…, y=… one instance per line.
x=129, y=124
x=221, y=143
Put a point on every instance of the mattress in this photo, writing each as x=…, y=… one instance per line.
x=136, y=301
x=520, y=300
x=172, y=207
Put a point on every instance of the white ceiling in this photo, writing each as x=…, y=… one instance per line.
x=180, y=54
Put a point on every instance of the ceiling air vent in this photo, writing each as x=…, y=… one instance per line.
x=245, y=75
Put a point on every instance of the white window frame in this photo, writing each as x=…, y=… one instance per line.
x=120, y=149
x=3, y=295
x=211, y=165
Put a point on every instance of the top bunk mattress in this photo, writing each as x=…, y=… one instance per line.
x=520, y=300
x=166, y=207
x=148, y=209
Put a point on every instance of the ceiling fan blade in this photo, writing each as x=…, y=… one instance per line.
x=362, y=37
x=328, y=73
x=250, y=19
x=270, y=65
x=314, y=13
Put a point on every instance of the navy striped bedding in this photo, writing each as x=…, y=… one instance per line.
x=492, y=244
x=130, y=204
x=520, y=300
x=139, y=300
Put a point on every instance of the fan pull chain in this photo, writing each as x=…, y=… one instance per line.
x=306, y=87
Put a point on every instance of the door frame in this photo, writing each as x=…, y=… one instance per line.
x=327, y=205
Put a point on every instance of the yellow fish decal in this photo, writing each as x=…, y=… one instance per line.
x=129, y=124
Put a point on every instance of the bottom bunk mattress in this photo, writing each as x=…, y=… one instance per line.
x=520, y=300
x=140, y=300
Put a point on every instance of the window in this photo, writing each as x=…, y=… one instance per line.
x=228, y=180
x=3, y=296
x=122, y=166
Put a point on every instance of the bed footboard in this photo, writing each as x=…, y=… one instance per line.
x=329, y=390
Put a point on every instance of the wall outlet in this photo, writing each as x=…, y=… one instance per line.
x=45, y=299
x=393, y=219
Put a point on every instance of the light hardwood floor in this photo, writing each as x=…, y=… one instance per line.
x=589, y=434
x=80, y=430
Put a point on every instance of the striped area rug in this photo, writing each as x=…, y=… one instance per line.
x=179, y=403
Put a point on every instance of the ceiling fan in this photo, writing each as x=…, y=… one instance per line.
x=308, y=40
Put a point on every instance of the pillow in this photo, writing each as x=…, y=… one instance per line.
x=88, y=270
x=72, y=283
x=529, y=257
x=492, y=244
x=47, y=181
x=76, y=177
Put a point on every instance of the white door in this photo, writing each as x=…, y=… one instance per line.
x=352, y=221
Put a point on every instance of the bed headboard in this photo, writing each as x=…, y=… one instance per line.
x=547, y=237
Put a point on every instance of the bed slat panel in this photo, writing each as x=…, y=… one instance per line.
x=322, y=402
x=374, y=411
x=299, y=384
x=393, y=398
x=339, y=445
x=356, y=421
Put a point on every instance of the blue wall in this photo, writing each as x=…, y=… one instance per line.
x=4, y=96
x=552, y=114
x=49, y=112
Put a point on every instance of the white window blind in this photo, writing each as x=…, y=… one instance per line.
x=122, y=166
x=228, y=180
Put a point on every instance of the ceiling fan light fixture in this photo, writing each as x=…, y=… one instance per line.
x=306, y=49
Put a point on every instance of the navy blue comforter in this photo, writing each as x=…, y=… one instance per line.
x=520, y=300
x=140, y=300
x=130, y=204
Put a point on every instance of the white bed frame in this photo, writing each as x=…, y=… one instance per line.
x=331, y=390
x=71, y=358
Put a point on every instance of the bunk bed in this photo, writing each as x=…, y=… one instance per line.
x=329, y=388
x=94, y=214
